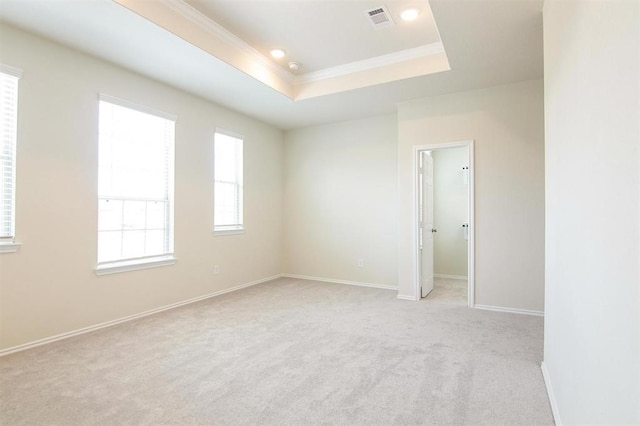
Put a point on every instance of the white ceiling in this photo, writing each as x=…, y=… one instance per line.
x=321, y=34
x=487, y=43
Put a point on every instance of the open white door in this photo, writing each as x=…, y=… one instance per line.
x=426, y=223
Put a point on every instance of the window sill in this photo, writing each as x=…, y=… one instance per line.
x=9, y=247
x=228, y=231
x=134, y=265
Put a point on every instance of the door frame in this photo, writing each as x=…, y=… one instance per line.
x=471, y=284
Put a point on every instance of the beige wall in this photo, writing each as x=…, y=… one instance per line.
x=592, y=118
x=341, y=201
x=450, y=211
x=506, y=123
x=343, y=192
x=49, y=286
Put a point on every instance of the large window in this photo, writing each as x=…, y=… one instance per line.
x=8, y=129
x=135, y=184
x=228, y=183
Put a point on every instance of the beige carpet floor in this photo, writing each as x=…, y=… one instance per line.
x=288, y=352
x=447, y=290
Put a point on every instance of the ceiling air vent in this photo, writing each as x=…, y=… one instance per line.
x=380, y=17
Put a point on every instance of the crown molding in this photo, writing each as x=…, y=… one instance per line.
x=369, y=64
x=213, y=28
x=252, y=62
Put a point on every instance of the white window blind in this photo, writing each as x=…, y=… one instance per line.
x=8, y=130
x=135, y=183
x=228, y=197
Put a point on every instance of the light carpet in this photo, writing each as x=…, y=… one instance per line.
x=288, y=352
x=449, y=290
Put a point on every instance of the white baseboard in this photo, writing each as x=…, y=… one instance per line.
x=451, y=277
x=509, y=310
x=551, y=395
x=406, y=297
x=91, y=328
x=331, y=280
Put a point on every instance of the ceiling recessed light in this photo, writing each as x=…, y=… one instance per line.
x=277, y=53
x=410, y=14
x=294, y=66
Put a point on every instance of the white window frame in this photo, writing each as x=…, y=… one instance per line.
x=164, y=259
x=7, y=241
x=237, y=228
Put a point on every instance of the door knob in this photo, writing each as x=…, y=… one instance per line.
x=434, y=230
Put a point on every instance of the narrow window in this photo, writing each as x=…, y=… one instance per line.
x=228, y=183
x=135, y=183
x=8, y=130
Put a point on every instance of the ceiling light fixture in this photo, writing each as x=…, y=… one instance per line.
x=410, y=14
x=294, y=66
x=278, y=53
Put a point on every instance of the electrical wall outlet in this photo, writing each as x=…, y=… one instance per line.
x=360, y=263
x=216, y=269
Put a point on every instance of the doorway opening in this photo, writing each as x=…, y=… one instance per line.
x=444, y=222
